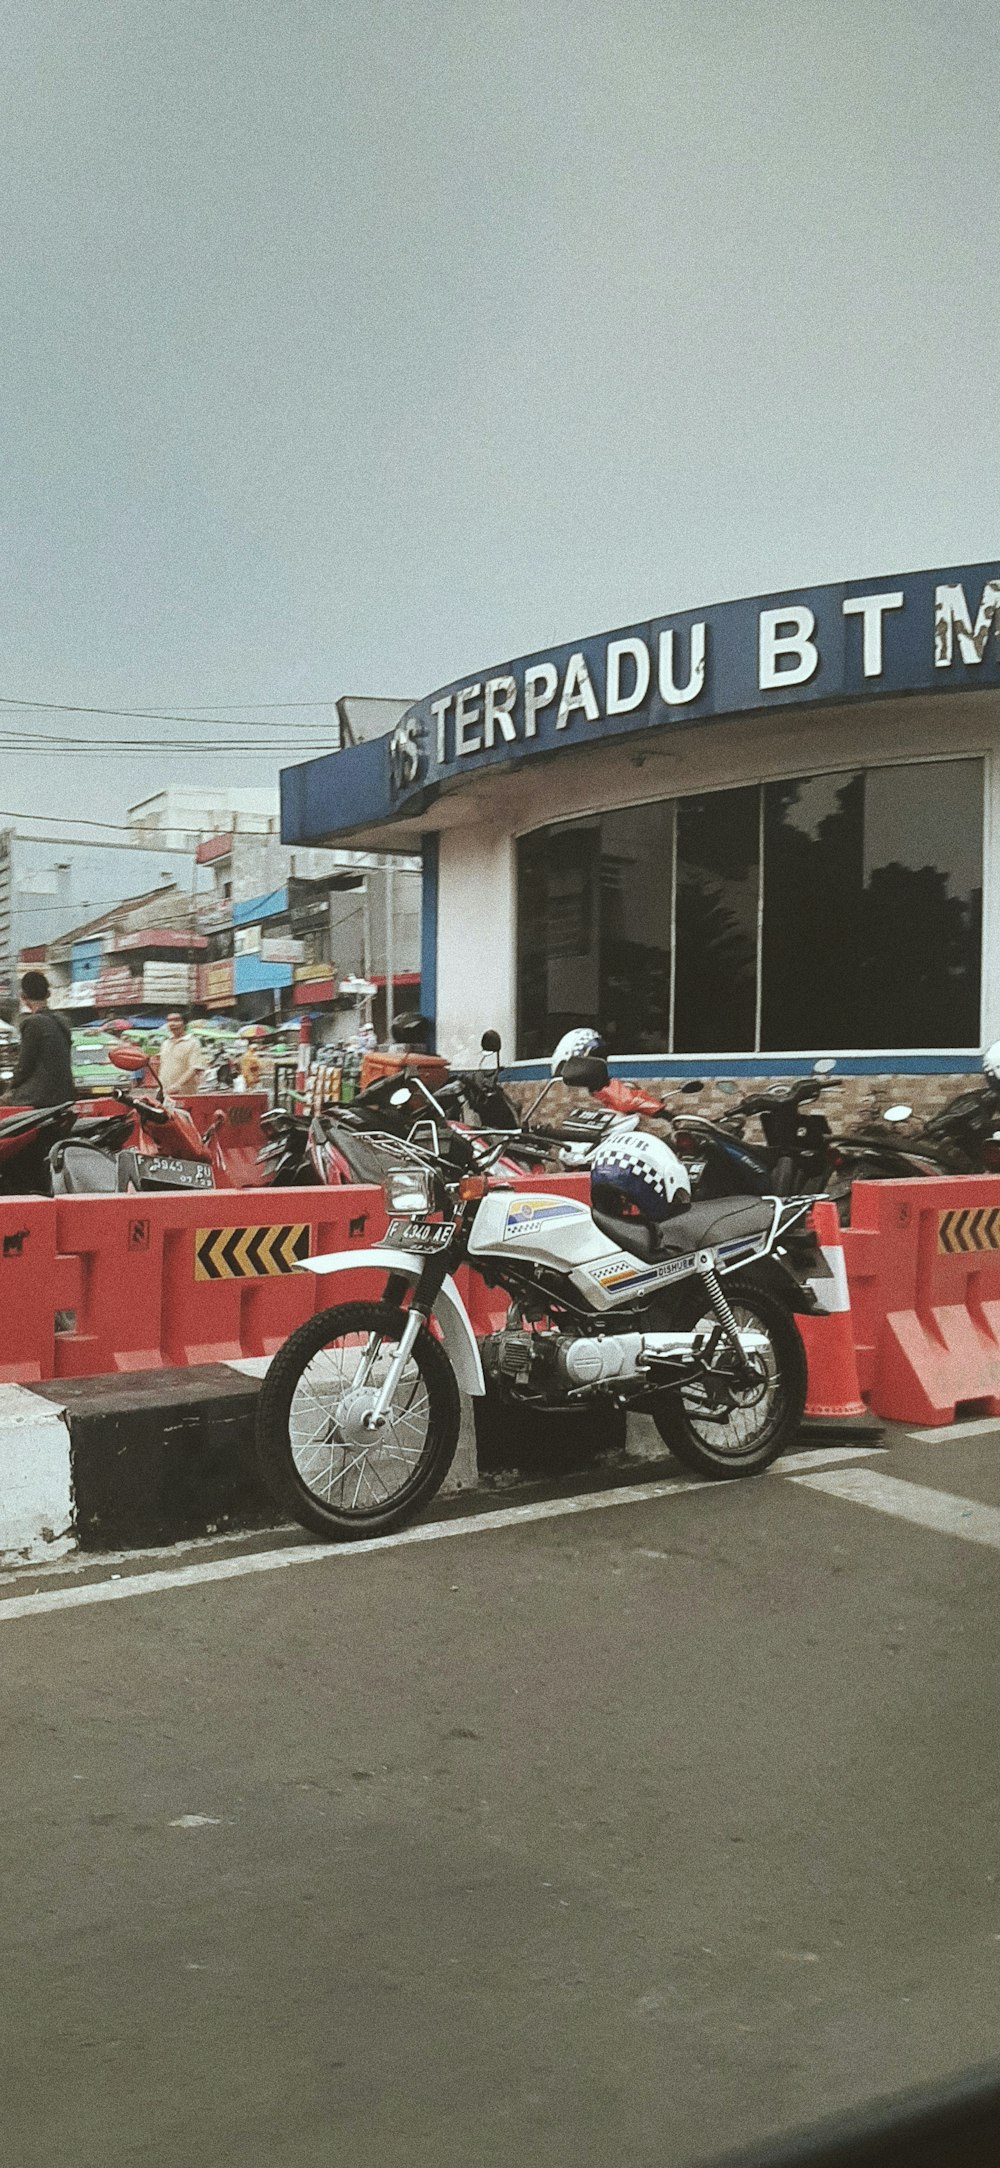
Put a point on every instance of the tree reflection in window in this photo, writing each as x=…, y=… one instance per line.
x=872, y=908
x=717, y=888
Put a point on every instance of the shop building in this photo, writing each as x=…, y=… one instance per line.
x=737, y=838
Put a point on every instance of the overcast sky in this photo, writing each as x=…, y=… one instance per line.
x=347, y=347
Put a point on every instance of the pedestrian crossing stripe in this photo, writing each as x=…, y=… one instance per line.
x=248, y=1253
x=960, y=1233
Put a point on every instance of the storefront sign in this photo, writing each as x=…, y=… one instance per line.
x=215, y=981
x=917, y=632
x=281, y=948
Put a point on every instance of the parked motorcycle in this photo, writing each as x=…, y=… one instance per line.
x=26, y=1140
x=961, y=1138
x=794, y=1157
x=353, y=1143
x=167, y=1150
x=640, y=1300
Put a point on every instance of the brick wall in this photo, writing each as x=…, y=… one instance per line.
x=856, y=1100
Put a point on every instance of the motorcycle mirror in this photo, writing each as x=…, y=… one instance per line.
x=128, y=1057
x=588, y=1072
x=490, y=1043
x=825, y=1067
x=901, y=1113
x=728, y=1086
x=694, y=1084
x=400, y=1098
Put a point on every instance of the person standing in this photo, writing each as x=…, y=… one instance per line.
x=182, y=1062
x=44, y=1073
x=251, y=1069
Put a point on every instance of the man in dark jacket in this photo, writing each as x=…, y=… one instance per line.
x=44, y=1073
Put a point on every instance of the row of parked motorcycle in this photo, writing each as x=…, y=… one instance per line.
x=149, y=1142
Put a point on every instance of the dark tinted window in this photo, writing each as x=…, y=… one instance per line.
x=918, y=982
x=636, y=878
x=872, y=908
x=717, y=894
x=558, y=926
x=594, y=930
x=868, y=927
x=813, y=873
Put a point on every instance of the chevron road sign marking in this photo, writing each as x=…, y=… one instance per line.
x=248, y=1253
x=962, y=1233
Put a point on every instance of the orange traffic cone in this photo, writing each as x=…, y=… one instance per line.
x=828, y=1337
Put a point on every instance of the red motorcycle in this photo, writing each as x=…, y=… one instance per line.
x=165, y=1148
x=26, y=1139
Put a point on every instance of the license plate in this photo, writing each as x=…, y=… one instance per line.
x=589, y=1124
x=177, y=1173
x=405, y=1234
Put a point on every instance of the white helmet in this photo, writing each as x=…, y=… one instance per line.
x=991, y=1062
x=574, y=1045
x=633, y=1173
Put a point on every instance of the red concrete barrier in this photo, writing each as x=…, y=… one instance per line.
x=90, y=1285
x=923, y=1262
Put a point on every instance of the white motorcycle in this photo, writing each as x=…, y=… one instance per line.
x=691, y=1320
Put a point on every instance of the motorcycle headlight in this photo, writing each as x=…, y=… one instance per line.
x=408, y=1191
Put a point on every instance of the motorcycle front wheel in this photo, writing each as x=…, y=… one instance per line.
x=325, y=1468
x=718, y=1423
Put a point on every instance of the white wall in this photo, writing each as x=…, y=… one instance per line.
x=477, y=902
x=477, y=936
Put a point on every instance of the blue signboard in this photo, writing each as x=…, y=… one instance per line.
x=857, y=640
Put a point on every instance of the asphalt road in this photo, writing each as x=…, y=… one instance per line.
x=620, y=1835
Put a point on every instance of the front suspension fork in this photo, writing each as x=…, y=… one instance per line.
x=376, y=1416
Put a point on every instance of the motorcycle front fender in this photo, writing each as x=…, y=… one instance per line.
x=450, y=1313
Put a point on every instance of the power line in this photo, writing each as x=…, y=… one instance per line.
x=17, y=704
x=280, y=748
x=77, y=820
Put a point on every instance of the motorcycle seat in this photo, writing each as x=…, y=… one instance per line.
x=704, y=1226
x=20, y=1125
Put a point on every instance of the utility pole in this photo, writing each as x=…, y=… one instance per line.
x=390, y=947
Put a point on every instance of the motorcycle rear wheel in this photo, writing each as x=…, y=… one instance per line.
x=323, y=1469
x=765, y=1419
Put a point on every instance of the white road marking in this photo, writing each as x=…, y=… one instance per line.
x=829, y=1456
x=312, y=1554
x=196, y=1821
x=915, y=1502
x=958, y=1431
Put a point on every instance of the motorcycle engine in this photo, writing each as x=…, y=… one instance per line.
x=551, y=1363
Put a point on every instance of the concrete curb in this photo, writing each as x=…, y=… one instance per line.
x=36, y=1497
x=140, y=1459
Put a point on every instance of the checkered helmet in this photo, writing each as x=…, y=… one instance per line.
x=574, y=1045
x=991, y=1062
x=633, y=1174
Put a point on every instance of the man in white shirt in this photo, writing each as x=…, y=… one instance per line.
x=182, y=1060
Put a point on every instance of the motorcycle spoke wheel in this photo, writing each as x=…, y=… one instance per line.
x=722, y=1423
x=324, y=1461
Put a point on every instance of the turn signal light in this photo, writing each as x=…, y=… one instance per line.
x=472, y=1185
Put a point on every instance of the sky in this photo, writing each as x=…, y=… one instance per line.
x=349, y=348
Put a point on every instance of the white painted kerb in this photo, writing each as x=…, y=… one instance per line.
x=35, y=1490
